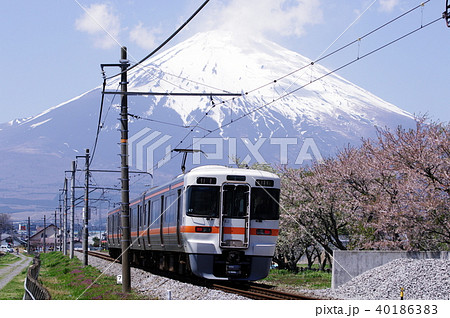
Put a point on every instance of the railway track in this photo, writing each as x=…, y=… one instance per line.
x=255, y=291
x=104, y=256
x=249, y=290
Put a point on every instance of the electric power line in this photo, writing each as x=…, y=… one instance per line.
x=423, y=26
x=140, y=62
x=165, y=42
x=314, y=62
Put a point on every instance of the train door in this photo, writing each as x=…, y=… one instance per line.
x=161, y=221
x=234, y=216
x=138, y=225
x=179, y=216
x=148, y=220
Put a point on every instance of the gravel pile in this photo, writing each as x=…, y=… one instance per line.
x=427, y=279
x=157, y=287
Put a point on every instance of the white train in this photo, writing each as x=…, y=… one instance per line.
x=215, y=222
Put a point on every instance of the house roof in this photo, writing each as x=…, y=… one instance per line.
x=38, y=233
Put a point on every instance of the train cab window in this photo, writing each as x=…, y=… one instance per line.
x=265, y=204
x=235, y=200
x=203, y=201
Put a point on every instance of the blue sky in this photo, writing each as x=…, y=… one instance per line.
x=51, y=51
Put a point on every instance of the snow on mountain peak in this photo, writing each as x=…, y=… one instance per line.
x=221, y=61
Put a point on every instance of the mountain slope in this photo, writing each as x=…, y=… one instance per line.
x=265, y=124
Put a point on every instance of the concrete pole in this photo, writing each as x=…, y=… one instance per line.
x=44, y=247
x=125, y=215
x=72, y=211
x=65, y=218
x=86, y=212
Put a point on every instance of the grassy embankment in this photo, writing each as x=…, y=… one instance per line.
x=68, y=279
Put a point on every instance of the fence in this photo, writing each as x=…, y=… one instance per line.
x=33, y=289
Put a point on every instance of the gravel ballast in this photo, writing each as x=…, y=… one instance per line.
x=158, y=287
x=427, y=279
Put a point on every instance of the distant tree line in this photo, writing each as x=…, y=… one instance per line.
x=5, y=222
x=391, y=193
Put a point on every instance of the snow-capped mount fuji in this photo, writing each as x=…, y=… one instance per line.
x=265, y=124
x=223, y=61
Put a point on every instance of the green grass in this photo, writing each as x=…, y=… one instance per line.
x=8, y=259
x=14, y=289
x=307, y=279
x=67, y=279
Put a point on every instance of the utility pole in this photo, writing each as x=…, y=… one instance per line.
x=44, y=247
x=72, y=211
x=65, y=218
x=86, y=211
x=56, y=234
x=29, y=236
x=125, y=205
x=61, y=229
x=125, y=215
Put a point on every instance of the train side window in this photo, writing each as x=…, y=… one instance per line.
x=149, y=204
x=169, y=208
x=132, y=218
x=162, y=209
x=138, y=217
x=155, y=212
x=179, y=200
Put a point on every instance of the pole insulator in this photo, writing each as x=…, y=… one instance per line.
x=446, y=13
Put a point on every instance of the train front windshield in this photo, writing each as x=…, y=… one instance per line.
x=203, y=201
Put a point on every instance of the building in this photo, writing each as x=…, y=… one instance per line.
x=52, y=238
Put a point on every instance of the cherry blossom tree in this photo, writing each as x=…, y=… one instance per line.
x=392, y=192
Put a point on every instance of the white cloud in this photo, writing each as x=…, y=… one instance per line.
x=100, y=21
x=144, y=37
x=388, y=5
x=284, y=17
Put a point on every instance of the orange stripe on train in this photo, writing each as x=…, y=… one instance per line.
x=191, y=229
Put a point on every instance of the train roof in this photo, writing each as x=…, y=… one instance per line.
x=222, y=170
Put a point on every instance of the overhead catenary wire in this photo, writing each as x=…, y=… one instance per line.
x=334, y=71
x=306, y=66
x=321, y=58
x=165, y=42
x=138, y=63
x=163, y=122
x=99, y=124
x=359, y=58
